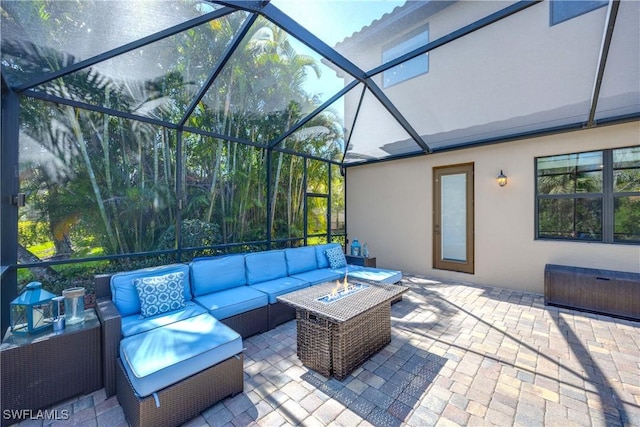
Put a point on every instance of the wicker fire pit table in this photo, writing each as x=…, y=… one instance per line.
x=339, y=327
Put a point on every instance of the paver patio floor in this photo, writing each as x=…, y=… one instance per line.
x=460, y=355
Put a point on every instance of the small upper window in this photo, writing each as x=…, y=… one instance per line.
x=409, y=69
x=563, y=10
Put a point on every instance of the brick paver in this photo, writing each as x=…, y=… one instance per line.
x=460, y=355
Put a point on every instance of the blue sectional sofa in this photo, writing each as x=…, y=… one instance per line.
x=161, y=349
x=164, y=328
x=233, y=287
x=220, y=287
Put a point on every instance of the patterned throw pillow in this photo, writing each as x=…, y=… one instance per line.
x=336, y=257
x=160, y=294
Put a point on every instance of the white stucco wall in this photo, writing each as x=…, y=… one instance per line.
x=389, y=205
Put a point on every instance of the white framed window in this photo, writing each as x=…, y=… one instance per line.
x=408, y=69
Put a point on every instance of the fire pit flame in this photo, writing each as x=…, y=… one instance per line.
x=342, y=290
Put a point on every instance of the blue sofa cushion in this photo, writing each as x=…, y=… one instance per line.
x=135, y=324
x=217, y=274
x=265, y=266
x=336, y=257
x=230, y=302
x=163, y=356
x=277, y=287
x=124, y=293
x=300, y=260
x=370, y=273
x=317, y=276
x=160, y=294
x=321, y=257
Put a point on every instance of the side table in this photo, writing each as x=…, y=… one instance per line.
x=360, y=260
x=41, y=370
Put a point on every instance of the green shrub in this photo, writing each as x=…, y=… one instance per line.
x=33, y=233
x=194, y=234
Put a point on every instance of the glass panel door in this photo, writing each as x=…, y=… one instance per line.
x=453, y=218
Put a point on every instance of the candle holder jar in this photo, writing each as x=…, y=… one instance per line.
x=58, y=314
x=73, y=305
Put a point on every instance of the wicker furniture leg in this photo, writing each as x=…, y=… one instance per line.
x=110, y=321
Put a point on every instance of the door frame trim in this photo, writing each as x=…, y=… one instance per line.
x=467, y=266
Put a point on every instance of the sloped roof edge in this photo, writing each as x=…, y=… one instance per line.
x=407, y=15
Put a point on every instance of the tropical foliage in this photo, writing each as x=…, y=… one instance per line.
x=113, y=184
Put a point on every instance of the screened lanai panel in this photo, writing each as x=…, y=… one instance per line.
x=288, y=194
x=95, y=184
x=40, y=37
x=321, y=138
x=487, y=85
x=317, y=177
x=158, y=80
x=317, y=201
x=270, y=83
x=224, y=190
x=324, y=135
x=620, y=92
x=377, y=134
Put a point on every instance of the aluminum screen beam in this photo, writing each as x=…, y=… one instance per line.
x=314, y=113
x=125, y=48
x=292, y=27
x=98, y=108
x=353, y=125
x=612, y=14
x=246, y=5
x=302, y=34
x=298, y=31
x=9, y=187
x=217, y=69
x=468, y=29
x=386, y=102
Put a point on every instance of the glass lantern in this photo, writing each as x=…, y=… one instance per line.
x=355, y=248
x=31, y=312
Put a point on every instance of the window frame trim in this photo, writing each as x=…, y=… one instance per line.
x=406, y=37
x=608, y=196
x=467, y=266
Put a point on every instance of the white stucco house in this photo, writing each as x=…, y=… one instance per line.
x=524, y=105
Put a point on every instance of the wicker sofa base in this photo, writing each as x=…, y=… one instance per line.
x=183, y=401
x=249, y=323
x=337, y=348
x=280, y=313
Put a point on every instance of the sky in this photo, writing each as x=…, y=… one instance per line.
x=334, y=20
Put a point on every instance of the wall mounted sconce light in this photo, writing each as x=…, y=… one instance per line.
x=502, y=179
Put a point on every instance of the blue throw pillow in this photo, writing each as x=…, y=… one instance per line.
x=160, y=294
x=336, y=257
